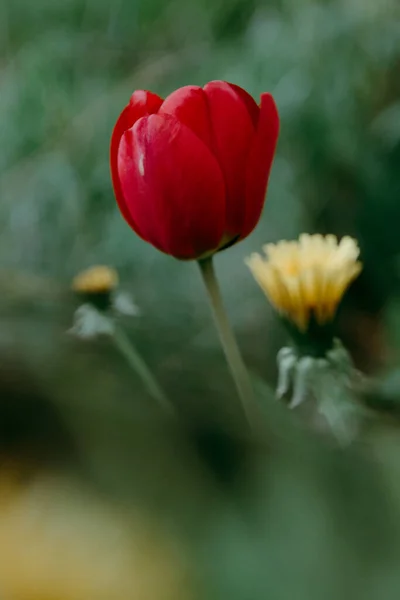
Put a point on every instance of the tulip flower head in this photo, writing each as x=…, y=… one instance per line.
x=307, y=278
x=190, y=172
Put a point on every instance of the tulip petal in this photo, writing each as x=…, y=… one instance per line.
x=251, y=104
x=142, y=103
x=173, y=186
x=260, y=161
x=233, y=131
x=189, y=105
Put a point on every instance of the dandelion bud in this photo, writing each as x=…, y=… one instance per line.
x=96, y=285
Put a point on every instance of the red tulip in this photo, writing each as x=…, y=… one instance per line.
x=190, y=172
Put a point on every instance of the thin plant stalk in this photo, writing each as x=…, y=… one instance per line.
x=134, y=359
x=229, y=344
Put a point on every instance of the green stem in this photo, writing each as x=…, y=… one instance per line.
x=128, y=350
x=229, y=344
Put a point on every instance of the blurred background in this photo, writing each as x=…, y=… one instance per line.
x=67, y=69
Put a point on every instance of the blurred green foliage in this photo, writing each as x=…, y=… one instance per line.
x=67, y=70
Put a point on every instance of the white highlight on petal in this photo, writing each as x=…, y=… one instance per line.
x=141, y=164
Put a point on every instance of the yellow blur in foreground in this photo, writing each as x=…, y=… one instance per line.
x=95, y=280
x=58, y=542
x=308, y=276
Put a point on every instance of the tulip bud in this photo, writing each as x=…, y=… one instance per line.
x=190, y=172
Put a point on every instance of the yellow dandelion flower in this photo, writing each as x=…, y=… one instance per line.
x=96, y=280
x=307, y=277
